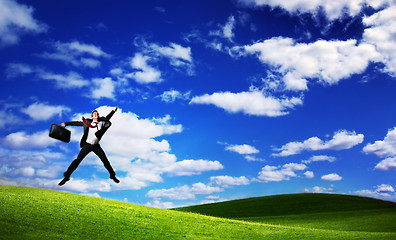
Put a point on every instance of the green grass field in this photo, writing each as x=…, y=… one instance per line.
x=29, y=213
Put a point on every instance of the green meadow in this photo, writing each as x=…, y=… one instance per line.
x=29, y=213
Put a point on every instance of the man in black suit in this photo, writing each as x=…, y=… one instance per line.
x=94, y=129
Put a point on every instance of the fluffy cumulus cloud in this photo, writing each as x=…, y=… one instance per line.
x=76, y=53
x=328, y=61
x=179, y=57
x=177, y=54
x=277, y=173
x=318, y=189
x=146, y=73
x=250, y=103
x=242, y=149
x=17, y=19
x=103, y=88
x=331, y=177
x=173, y=95
x=227, y=181
x=193, y=167
x=23, y=166
x=23, y=140
x=41, y=111
x=377, y=45
x=320, y=158
x=387, y=164
x=381, y=32
x=384, y=148
x=71, y=80
x=226, y=31
x=384, y=191
x=332, y=9
x=183, y=192
x=341, y=140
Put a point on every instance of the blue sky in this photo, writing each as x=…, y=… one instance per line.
x=218, y=100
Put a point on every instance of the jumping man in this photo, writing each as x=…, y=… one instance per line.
x=94, y=129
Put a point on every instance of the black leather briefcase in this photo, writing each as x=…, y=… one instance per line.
x=59, y=133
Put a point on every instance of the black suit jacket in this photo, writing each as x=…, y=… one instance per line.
x=99, y=134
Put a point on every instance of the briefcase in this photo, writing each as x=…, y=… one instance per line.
x=59, y=133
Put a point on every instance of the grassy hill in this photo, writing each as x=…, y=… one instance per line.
x=28, y=213
x=320, y=211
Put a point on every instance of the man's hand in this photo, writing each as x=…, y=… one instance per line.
x=63, y=125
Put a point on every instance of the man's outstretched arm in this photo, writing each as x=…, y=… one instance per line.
x=72, y=123
x=111, y=113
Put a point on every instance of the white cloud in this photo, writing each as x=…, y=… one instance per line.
x=309, y=174
x=318, y=189
x=177, y=54
x=103, y=88
x=179, y=57
x=76, y=53
x=383, y=191
x=385, y=188
x=320, y=158
x=384, y=148
x=381, y=32
x=70, y=81
x=387, y=164
x=18, y=69
x=25, y=172
x=193, y=167
x=85, y=48
x=277, y=174
x=17, y=19
x=250, y=103
x=341, y=140
x=23, y=140
x=41, y=112
x=226, y=31
x=172, y=95
x=328, y=61
x=331, y=177
x=9, y=118
x=227, y=181
x=242, y=149
x=20, y=163
x=183, y=192
x=146, y=73
x=254, y=158
x=332, y=9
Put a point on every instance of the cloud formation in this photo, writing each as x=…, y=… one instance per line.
x=41, y=112
x=76, y=53
x=332, y=9
x=277, y=173
x=17, y=19
x=341, y=140
x=331, y=177
x=250, y=103
x=298, y=63
x=183, y=192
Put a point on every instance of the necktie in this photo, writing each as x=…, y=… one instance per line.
x=90, y=125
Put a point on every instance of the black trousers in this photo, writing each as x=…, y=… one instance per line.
x=87, y=148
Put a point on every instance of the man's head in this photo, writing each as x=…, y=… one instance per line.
x=95, y=114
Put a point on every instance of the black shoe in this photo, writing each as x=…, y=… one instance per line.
x=64, y=180
x=115, y=179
